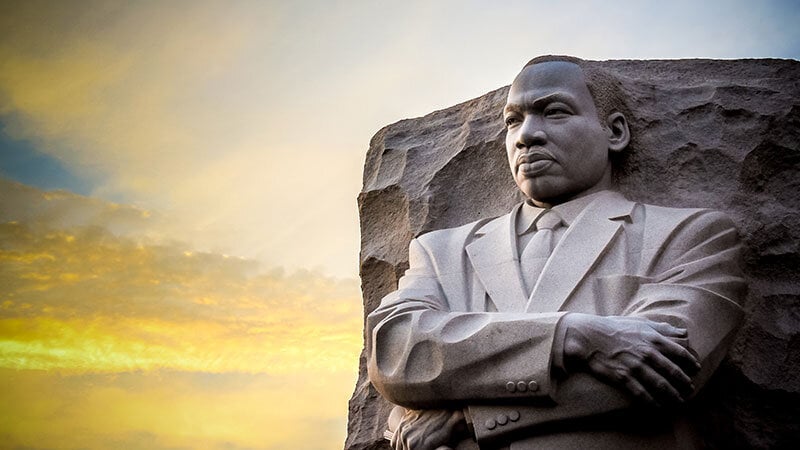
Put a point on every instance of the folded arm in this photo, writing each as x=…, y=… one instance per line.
x=423, y=355
x=694, y=284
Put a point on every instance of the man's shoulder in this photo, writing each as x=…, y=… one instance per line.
x=462, y=233
x=682, y=229
x=670, y=216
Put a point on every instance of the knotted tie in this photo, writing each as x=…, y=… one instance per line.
x=538, y=250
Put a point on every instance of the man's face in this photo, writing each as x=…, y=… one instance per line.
x=557, y=148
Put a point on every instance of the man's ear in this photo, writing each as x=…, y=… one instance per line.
x=618, y=133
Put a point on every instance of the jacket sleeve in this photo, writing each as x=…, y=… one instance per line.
x=423, y=354
x=693, y=281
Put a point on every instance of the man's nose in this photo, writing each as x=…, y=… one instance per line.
x=531, y=134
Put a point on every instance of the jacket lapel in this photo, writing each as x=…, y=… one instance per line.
x=578, y=251
x=494, y=258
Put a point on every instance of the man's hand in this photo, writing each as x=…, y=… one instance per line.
x=430, y=429
x=649, y=359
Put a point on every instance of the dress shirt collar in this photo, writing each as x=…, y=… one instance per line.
x=529, y=214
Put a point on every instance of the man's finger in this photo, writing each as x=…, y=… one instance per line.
x=669, y=330
x=638, y=391
x=397, y=437
x=622, y=377
x=656, y=385
x=678, y=354
x=667, y=368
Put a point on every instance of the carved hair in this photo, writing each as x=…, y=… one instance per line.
x=605, y=88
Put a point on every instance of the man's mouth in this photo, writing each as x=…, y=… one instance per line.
x=534, y=163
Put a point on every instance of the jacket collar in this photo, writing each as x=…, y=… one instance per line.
x=494, y=257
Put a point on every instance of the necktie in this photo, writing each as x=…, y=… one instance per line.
x=536, y=253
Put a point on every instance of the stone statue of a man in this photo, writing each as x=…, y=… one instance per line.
x=579, y=319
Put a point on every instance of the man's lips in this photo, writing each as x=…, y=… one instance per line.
x=534, y=163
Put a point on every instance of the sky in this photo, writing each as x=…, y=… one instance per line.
x=178, y=222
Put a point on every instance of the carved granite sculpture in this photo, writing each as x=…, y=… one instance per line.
x=533, y=335
x=484, y=342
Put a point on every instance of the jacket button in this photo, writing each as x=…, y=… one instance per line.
x=502, y=419
x=490, y=424
x=522, y=386
x=513, y=416
x=511, y=386
x=533, y=386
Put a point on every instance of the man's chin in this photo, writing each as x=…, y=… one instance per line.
x=543, y=196
x=546, y=192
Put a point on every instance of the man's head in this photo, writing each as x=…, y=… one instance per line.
x=563, y=123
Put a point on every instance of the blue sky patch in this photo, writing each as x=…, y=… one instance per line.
x=21, y=161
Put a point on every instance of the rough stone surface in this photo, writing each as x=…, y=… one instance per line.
x=706, y=133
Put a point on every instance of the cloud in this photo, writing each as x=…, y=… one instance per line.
x=64, y=210
x=80, y=297
x=172, y=410
x=105, y=84
x=113, y=338
x=178, y=109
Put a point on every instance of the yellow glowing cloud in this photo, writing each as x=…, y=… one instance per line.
x=160, y=410
x=87, y=300
x=109, y=340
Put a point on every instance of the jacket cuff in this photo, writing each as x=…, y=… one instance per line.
x=557, y=358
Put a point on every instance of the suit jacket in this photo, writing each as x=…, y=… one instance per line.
x=460, y=330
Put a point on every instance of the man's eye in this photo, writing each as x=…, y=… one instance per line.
x=557, y=111
x=512, y=120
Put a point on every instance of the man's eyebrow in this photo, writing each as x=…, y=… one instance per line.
x=539, y=102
